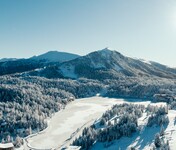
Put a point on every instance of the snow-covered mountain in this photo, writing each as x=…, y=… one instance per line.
x=104, y=64
x=55, y=56
x=163, y=67
x=10, y=66
x=101, y=64
x=113, y=63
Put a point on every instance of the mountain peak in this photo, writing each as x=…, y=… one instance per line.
x=107, y=52
x=106, y=49
x=52, y=52
x=56, y=56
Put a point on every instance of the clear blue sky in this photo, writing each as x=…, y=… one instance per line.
x=138, y=28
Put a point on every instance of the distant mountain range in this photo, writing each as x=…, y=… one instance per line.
x=101, y=64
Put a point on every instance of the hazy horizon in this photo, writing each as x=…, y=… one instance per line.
x=140, y=29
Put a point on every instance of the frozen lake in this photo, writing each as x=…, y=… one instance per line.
x=78, y=114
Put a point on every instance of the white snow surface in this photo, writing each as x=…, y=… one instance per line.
x=145, y=61
x=6, y=145
x=63, y=124
x=68, y=71
x=68, y=124
x=38, y=69
x=171, y=129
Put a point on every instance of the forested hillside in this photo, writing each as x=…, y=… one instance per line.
x=27, y=102
x=122, y=121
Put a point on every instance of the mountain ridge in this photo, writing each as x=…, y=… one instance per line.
x=27, y=64
x=100, y=64
x=110, y=63
x=55, y=56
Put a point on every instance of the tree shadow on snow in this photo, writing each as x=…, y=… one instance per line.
x=138, y=140
x=147, y=136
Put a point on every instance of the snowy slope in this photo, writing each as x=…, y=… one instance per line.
x=171, y=129
x=101, y=64
x=110, y=63
x=143, y=140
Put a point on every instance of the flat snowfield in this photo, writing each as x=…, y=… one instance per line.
x=69, y=122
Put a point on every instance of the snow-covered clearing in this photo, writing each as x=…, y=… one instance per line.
x=68, y=71
x=73, y=118
x=68, y=124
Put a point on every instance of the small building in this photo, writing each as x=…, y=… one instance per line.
x=6, y=146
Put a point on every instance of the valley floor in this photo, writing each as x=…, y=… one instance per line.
x=68, y=124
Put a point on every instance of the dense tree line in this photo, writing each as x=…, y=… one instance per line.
x=158, y=116
x=120, y=121
x=143, y=87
